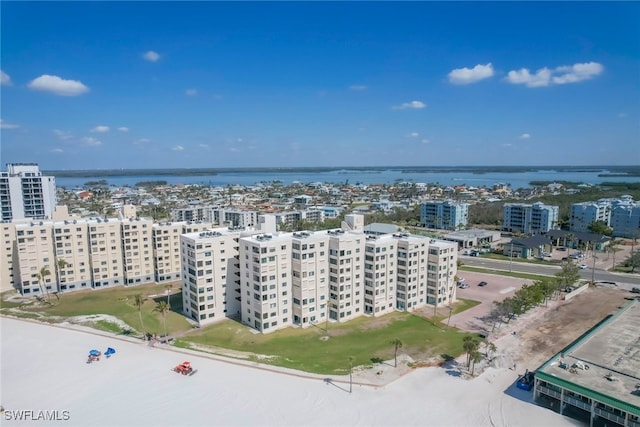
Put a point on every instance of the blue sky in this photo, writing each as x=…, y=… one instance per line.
x=101, y=85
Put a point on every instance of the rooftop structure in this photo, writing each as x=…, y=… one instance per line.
x=598, y=376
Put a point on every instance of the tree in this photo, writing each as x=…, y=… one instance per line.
x=396, y=345
x=470, y=344
x=613, y=248
x=476, y=356
x=633, y=261
x=41, y=275
x=569, y=274
x=138, y=301
x=61, y=265
x=162, y=307
x=600, y=227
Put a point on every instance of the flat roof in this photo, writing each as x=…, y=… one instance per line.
x=611, y=353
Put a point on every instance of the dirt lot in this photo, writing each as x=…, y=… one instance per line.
x=545, y=332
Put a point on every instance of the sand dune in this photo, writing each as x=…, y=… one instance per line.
x=44, y=367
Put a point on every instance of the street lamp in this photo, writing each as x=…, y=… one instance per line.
x=510, y=257
x=350, y=374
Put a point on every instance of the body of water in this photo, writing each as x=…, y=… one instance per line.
x=451, y=177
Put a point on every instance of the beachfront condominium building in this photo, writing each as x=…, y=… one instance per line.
x=309, y=277
x=346, y=274
x=36, y=259
x=195, y=213
x=72, y=264
x=7, y=254
x=138, y=251
x=441, y=270
x=211, y=275
x=105, y=246
x=525, y=218
x=265, y=270
x=583, y=214
x=166, y=247
x=237, y=218
x=26, y=193
x=380, y=274
x=444, y=215
x=411, y=272
x=625, y=218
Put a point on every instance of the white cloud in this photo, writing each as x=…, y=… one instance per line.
x=178, y=148
x=56, y=150
x=465, y=76
x=204, y=146
x=141, y=141
x=58, y=86
x=91, y=141
x=191, y=92
x=425, y=141
x=542, y=77
x=357, y=87
x=100, y=129
x=558, y=76
x=5, y=125
x=525, y=136
x=123, y=129
x=62, y=135
x=577, y=72
x=410, y=105
x=507, y=145
x=413, y=135
x=5, y=80
x=151, y=56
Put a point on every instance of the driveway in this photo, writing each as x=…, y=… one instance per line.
x=497, y=289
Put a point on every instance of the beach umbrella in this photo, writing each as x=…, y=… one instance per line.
x=94, y=353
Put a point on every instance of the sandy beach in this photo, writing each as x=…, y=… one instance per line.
x=43, y=368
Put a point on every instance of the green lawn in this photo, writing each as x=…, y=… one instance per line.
x=366, y=339
x=464, y=304
x=118, y=302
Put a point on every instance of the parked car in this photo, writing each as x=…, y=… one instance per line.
x=583, y=266
x=464, y=286
x=546, y=254
x=635, y=290
x=483, y=283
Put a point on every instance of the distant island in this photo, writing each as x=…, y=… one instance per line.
x=607, y=171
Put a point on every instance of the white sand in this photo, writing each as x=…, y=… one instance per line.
x=44, y=368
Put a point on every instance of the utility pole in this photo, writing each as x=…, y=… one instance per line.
x=510, y=256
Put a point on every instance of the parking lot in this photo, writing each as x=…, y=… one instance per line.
x=497, y=289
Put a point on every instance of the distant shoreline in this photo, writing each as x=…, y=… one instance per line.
x=607, y=171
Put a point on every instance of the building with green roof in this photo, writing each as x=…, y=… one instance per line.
x=597, y=377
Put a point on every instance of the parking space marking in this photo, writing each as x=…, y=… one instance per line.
x=507, y=290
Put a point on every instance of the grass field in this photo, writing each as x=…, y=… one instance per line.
x=116, y=302
x=365, y=339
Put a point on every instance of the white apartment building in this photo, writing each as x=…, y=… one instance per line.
x=412, y=261
x=525, y=218
x=346, y=274
x=166, y=247
x=196, y=213
x=310, y=277
x=72, y=255
x=138, y=251
x=265, y=270
x=380, y=274
x=625, y=218
x=210, y=275
x=583, y=214
x=441, y=270
x=107, y=258
x=7, y=262
x=237, y=218
x=26, y=193
x=35, y=252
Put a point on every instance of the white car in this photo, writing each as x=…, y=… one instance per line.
x=583, y=266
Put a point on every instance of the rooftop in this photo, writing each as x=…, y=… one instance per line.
x=610, y=354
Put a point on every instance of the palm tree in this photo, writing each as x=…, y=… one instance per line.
x=613, y=247
x=469, y=345
x=168, y=288
x=396, y=345
x=476, y=356
x=162, y=307
x=44, y=272
x=138, y=301
x=61, y=264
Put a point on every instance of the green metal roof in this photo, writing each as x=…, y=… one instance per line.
x=602, y=398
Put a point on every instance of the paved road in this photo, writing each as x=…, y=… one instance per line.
x=624, y=281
